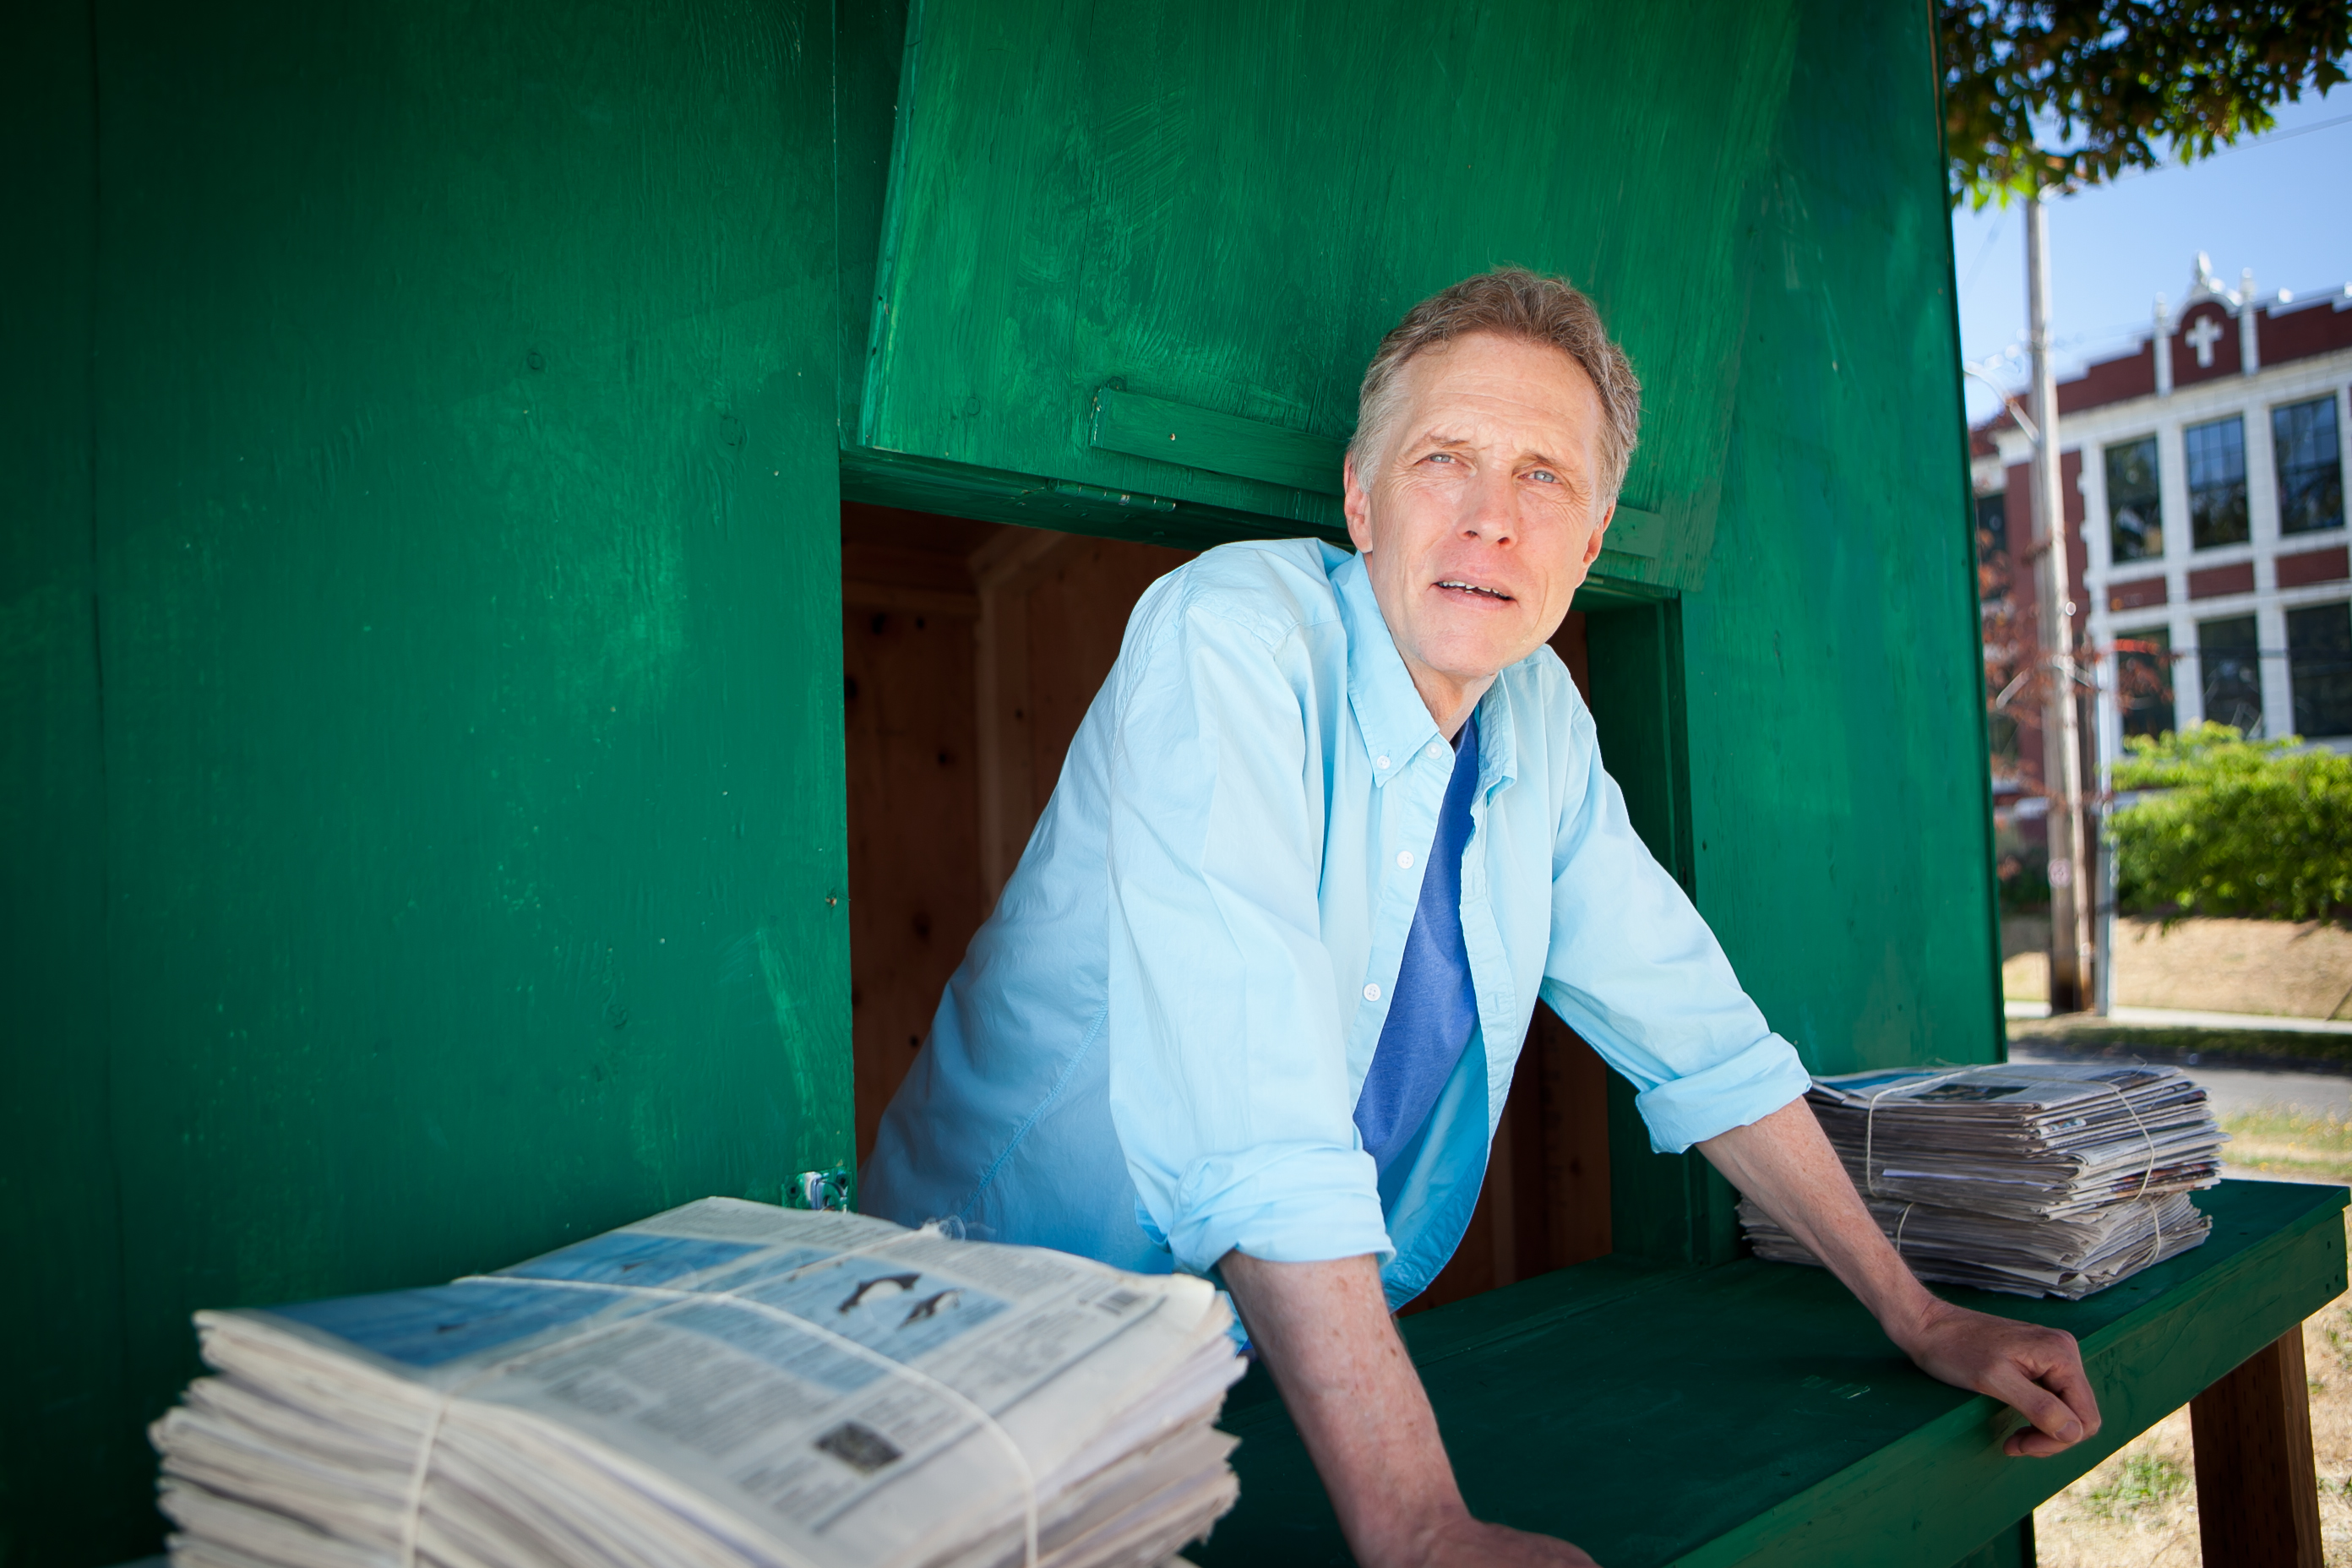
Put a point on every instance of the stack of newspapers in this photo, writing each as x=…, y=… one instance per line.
x=726, y=1384
x=2034, y=1178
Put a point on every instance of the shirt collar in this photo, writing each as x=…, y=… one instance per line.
x=1389, y=713
x=1388, y=710
x=1498, y=756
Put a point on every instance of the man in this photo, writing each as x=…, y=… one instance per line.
x=1250, y=1003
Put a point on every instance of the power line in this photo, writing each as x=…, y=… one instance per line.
x=2267, y=137
x=1985, y=250
x=2248, y=146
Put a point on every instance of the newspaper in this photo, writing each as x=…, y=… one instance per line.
x=2056, y=1179
x=725, y=1384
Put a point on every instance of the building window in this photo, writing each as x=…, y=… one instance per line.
x=1992, y=549
x=2143, y=681
x=2310, y=470
x=2217, y=482
x=2229, y=670
x=2319, y=668
x=2134, y=510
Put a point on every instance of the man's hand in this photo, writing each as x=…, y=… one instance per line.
x=1325, y=1332
x=2037, y=1371
x=1786, y=1164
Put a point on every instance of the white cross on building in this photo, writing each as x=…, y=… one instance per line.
x=2202, y=337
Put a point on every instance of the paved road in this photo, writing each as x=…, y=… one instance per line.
x=2239, y=1089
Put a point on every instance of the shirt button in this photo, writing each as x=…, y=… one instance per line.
x=1380, y=762
x=1404, y=857
x=1371, y=993
x=1436, y=753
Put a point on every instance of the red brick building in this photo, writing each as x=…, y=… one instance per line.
x=2203, y=479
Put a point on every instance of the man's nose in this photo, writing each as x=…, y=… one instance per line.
x=1490, y=508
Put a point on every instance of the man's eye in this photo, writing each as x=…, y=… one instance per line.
x=1439, y=457
x=1546, y=475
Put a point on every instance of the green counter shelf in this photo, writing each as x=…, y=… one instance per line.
x=1752, y=1412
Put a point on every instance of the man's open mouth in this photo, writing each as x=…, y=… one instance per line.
x=1461, y=587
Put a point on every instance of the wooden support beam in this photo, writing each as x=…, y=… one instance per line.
x=2257, y=1493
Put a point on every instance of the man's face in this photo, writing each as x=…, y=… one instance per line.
x=1477, y=518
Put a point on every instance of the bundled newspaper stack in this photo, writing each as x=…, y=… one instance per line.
x=726, y=1384
x=2032, y=1178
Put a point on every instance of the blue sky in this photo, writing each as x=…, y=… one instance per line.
x=2281, y=204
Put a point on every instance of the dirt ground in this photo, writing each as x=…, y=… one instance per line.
x=2301, y=970
x=2139, y=1509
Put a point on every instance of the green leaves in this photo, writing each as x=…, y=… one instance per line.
x=2257, y=828
x=2118, y=77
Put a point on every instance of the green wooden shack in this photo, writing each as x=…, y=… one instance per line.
x=552, y=552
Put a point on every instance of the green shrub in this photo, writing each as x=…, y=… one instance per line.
x=2242, y=827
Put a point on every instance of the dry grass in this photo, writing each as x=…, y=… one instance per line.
x=2139, y=1509
x=2287, y=1145
x=2298, y=969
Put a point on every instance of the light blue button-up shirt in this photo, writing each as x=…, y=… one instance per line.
x=1152, y=1050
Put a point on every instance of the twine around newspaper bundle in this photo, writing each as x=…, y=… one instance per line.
x=1870, y=1168
x=412, y=1511
x=2147, y=1177
x=1869, y=1139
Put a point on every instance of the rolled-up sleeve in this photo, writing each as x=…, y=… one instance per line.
x=1228, y=1077
x=1634, y=969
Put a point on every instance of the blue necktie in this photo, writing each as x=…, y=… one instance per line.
x=1434, y=1007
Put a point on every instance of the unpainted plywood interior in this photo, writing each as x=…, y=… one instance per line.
x=970, y=652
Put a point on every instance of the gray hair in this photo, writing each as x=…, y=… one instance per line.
x=1511, y=303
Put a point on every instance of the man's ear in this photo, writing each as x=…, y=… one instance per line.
x=1356, y=504
x=1592, y=545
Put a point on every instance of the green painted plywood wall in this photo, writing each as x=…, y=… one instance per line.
x=58, y=1187
x=1830, y=706
x=1839, y=807
x=422, y=607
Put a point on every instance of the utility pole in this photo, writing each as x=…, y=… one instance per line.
x=2071, y=888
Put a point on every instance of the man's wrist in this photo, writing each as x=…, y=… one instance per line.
x=1402, y=1541
x=1912, y=1313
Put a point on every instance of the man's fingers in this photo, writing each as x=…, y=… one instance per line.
x=2031, y=1444
x=2054, y=1363
x=2072, y=1383
x=2047, y=1411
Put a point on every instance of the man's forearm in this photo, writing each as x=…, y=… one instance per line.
x=1785, y=1164
x=1325, y=1332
